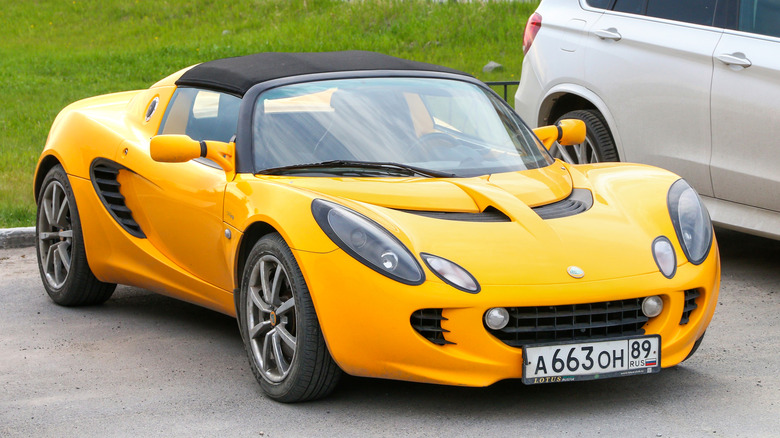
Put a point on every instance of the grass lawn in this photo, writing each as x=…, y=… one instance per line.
x=54, y=52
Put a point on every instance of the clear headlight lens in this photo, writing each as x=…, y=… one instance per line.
x=664, y=256
x=367, y=241
x=691, y=221
x=451, y=273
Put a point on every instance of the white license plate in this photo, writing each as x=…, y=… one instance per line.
x=591, y=360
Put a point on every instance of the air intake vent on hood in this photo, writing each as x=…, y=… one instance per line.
x=490, y=214
x=104, y=174
x=579, y=201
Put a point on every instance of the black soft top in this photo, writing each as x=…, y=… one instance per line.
x=237, y=75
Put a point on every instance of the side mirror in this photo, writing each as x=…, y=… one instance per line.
x=173, y=148
x=567, y=132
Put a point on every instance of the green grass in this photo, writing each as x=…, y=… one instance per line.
x=57, y=51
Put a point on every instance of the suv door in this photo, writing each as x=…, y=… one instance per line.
x=651, y=63
x=746, y=108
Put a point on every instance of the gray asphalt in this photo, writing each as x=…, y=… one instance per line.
x=147, y=365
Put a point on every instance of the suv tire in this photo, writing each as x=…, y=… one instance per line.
x=598, y=145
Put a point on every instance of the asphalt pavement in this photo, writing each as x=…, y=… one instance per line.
x=147, y=365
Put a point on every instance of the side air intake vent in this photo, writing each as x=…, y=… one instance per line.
x=427, y=322
x=104, y=174
x=690, y=305
x=580, y=200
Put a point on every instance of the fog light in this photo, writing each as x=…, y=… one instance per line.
x=652, y=306
x=497, y=318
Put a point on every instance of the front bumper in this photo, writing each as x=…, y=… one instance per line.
x=365, y=318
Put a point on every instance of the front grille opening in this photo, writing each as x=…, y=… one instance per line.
x=427, y=322
x=690, y=305
x=577, y=322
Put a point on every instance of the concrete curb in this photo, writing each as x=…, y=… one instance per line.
x=17, y=237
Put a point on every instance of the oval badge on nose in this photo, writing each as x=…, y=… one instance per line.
x=575, y=271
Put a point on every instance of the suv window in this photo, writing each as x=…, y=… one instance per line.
x=601, y=4
x=691, y=11
x=201, y=114
x=629, y=6
x=760, y=16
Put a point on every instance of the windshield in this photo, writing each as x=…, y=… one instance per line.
x=446, y=126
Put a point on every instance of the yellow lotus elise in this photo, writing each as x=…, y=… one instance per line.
x=380, y=217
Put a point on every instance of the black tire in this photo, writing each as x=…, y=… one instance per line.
x=695, y=347
x=599, y=145
x=290, y=373
x=60, y=245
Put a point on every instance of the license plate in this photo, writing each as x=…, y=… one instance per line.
x=591, y=360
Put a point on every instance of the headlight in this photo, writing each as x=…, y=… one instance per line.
x=367, y=241
x=691, y=221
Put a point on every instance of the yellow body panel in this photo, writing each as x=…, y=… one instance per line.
x=195, y=217
x=369, y=334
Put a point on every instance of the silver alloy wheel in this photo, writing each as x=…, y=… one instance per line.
x=582, y=153
x=271, y=324
x=55, y=235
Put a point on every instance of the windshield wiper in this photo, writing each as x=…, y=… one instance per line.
x=385, y=167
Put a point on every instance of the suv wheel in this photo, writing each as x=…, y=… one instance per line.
x=598, y=145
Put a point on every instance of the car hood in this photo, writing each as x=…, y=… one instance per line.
x=515, y=245
x=531, y=187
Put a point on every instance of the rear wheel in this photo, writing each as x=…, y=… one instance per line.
x=62, y=260
x=598, y=145
x=281, y=332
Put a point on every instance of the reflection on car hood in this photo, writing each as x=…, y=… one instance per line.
x=531, y=187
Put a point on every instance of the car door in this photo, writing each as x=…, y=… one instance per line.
x=746, y=108
x=651, y=63
x=180, y=205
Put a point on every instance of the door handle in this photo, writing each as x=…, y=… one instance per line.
x=608, y=34
x=738, y=59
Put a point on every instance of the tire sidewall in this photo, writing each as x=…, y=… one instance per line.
x=274, y=245
x=597, y=132
x=60, y=295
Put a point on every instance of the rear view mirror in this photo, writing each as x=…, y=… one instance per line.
x=567, y=132
x=173, y=148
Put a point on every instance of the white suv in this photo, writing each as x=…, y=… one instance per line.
x=689, y=85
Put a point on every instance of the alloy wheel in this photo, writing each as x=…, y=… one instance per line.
x=582, y=153
x=271, y=318
x=55, y=235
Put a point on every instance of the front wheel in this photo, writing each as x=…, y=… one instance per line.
x=598, y=145
x=62, y=259
x=281, y=332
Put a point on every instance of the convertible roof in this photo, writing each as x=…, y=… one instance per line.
x=237, y=75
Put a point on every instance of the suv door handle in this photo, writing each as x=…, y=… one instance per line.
x=734, y=59
x=608, y=34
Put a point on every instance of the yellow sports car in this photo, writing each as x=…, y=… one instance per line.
x=376, y=216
